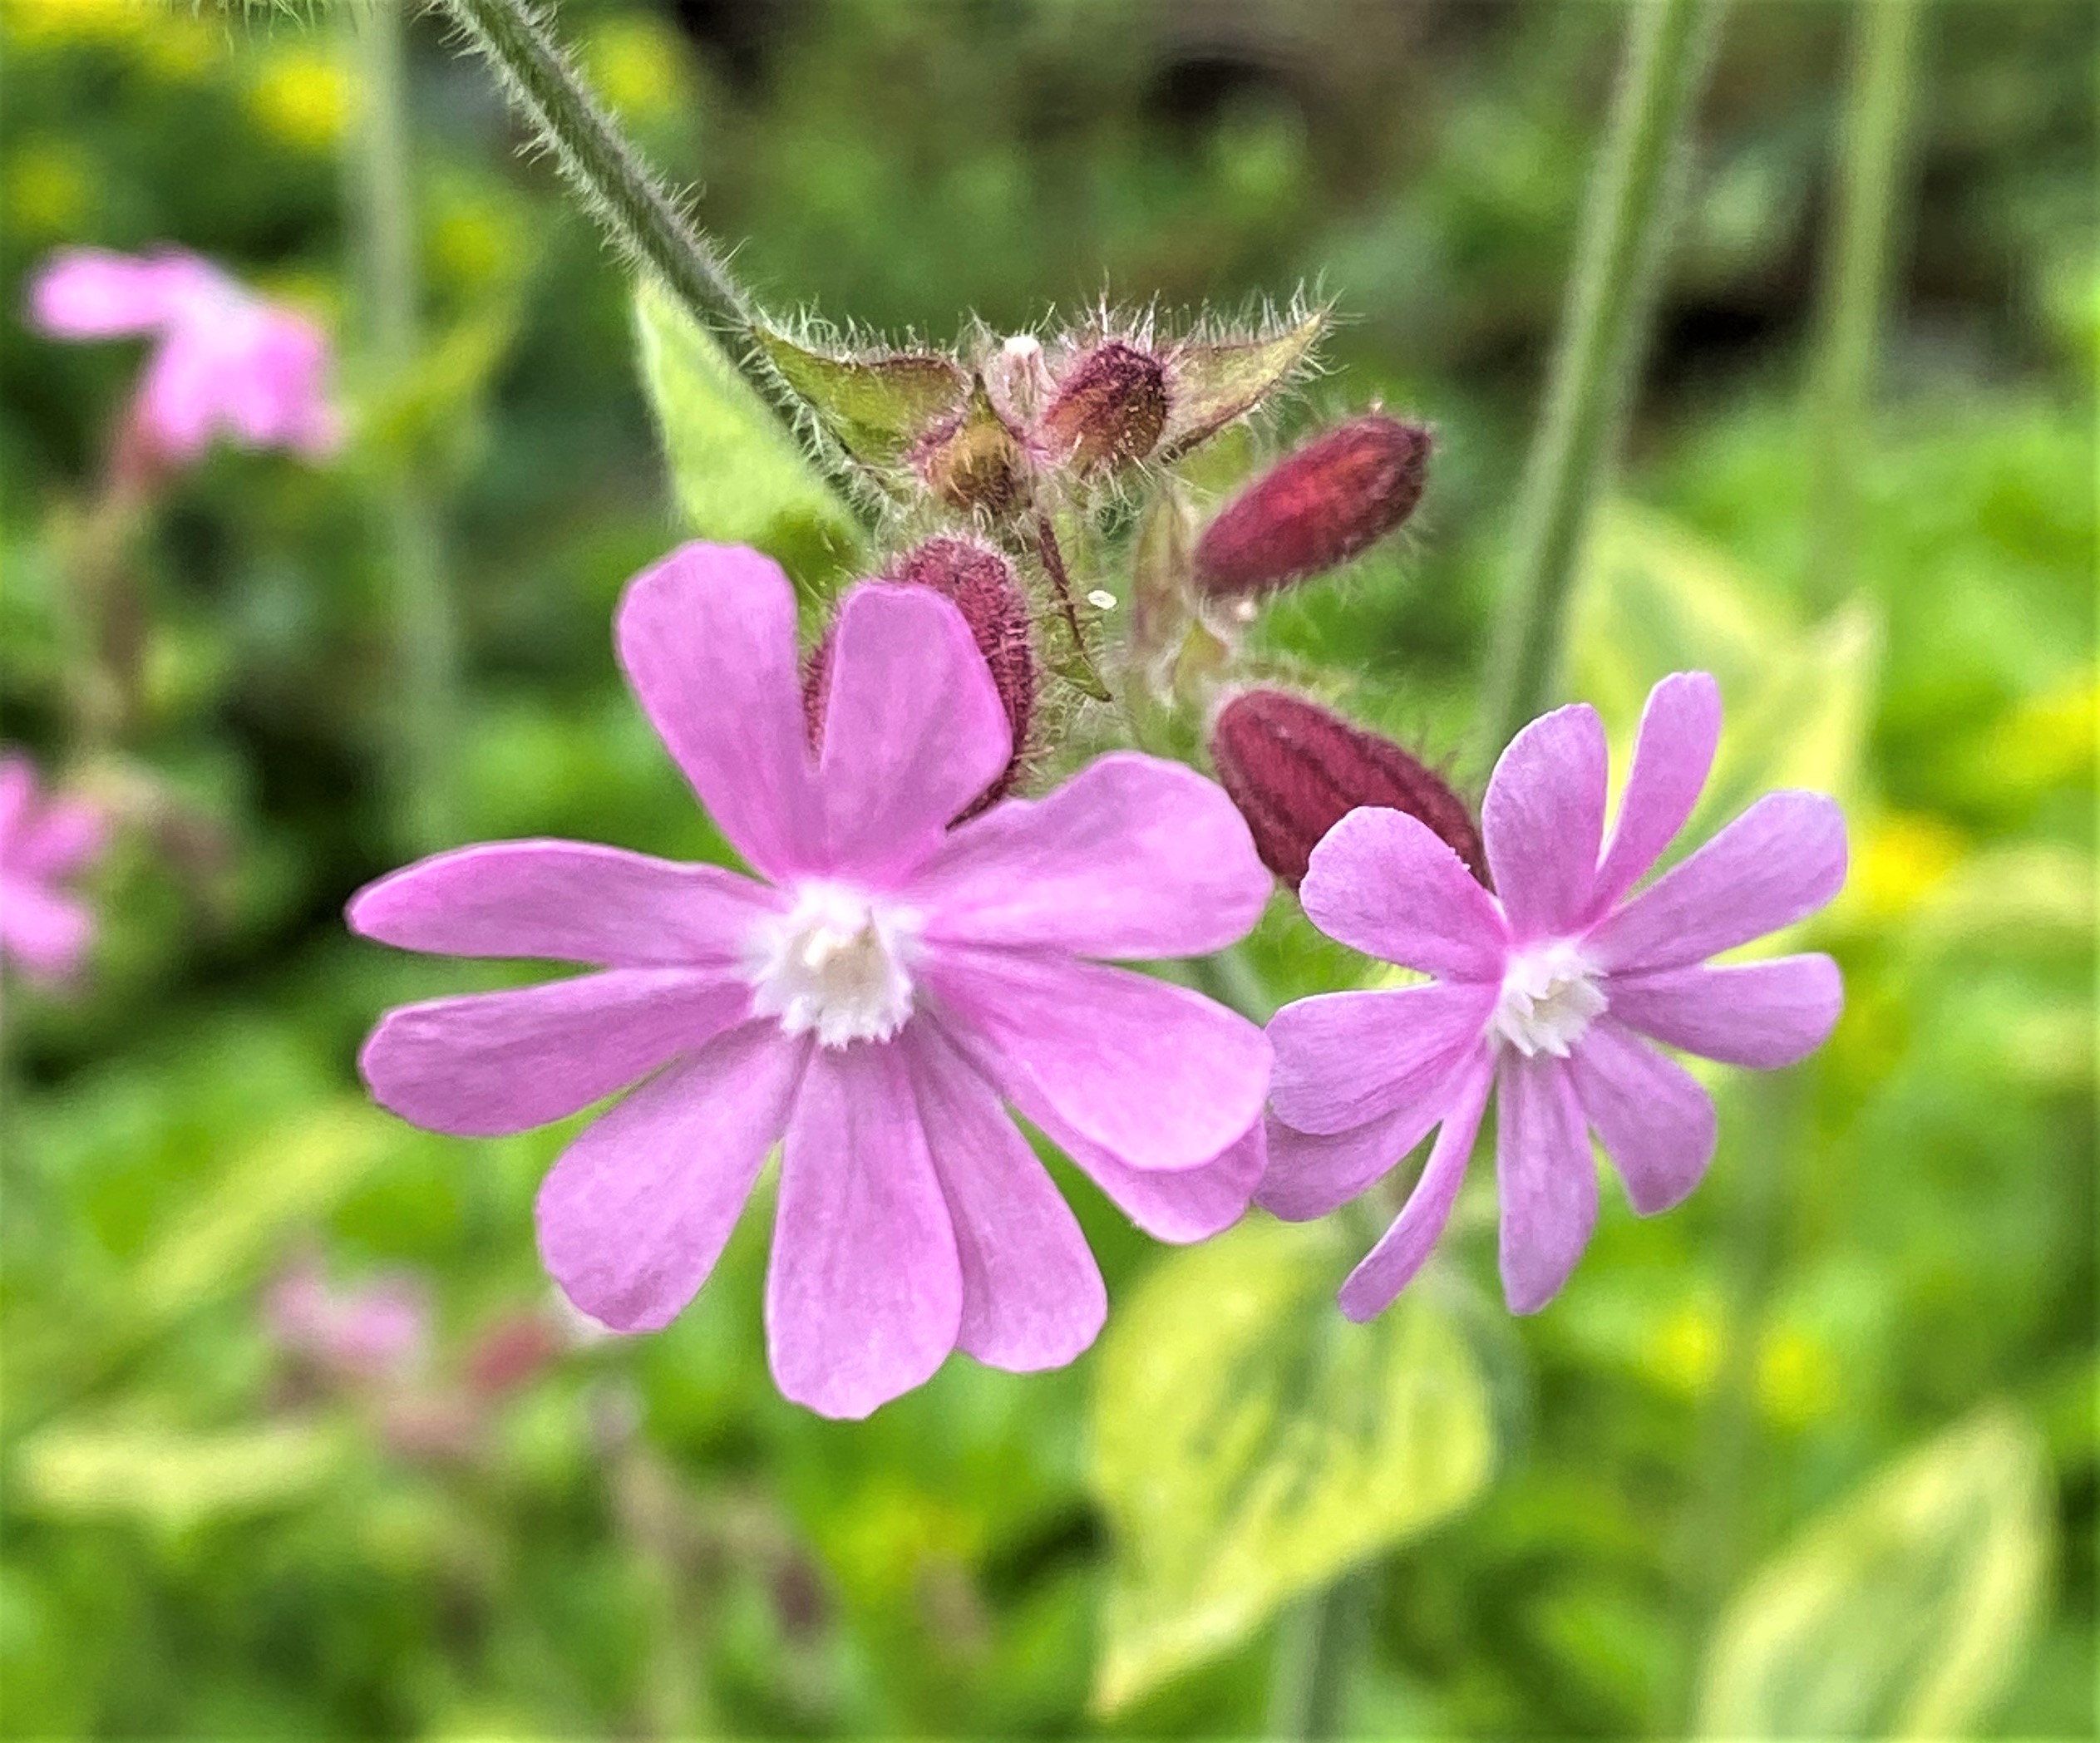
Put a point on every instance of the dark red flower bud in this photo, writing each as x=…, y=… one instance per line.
x=1337, y=496
x=1110, y=408
x=981, y=585
x=1295, y=770
x=513, y=1352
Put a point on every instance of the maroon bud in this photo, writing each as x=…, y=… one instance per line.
x=512, y=1352
x=1110, y=408
x=980, y=583
x=1337, y=496
x=1295, y=770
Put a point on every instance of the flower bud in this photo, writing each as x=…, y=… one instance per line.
x=973, y=461
x=1295, y=770
x=981, y=585
x=1110, y=408
x=1339, y=495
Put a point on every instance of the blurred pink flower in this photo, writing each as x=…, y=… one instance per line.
x=1552, y=990
x=887, y=984
x=374, y=1330
x=45, y=928
x=226, y=359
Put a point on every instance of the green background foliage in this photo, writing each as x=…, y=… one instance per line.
x=1814, y=1455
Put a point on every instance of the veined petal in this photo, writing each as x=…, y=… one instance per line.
x=1344, y=1059
x=1777, y=863
x=914, y=730
x=1544, y=818
x=863, y=1296
x=1764, y=1015
x=1391, y=1266
x=1544, y=1177
x=1384, y=883
x=707, y=640
x=1310, y=1175
x=1032, y=1296
x=636, y=1212
x=489, y=1063
x=1158, y=1075
x=1176, y=1204
x=1655, y=1121
x=1680, y=729
x=1134, y=857
x=565, y=901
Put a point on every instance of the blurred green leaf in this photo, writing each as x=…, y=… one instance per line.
x=739, y=477
x=1249, y=1443
x=1904, y=1610
x=287, y=1180
x=876, y=406
x=171, y=1479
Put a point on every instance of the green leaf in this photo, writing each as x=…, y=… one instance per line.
x=1249, y=1443
x=739, y=477
x=1902, y=1612
x=171, y=1479
x=876, y=406
x=1655, y=598
x=1209, y=385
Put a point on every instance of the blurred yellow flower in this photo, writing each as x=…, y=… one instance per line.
x=1684, y=1349
x=302, y=97
x=639, y=66
x=2046, y=741
x=468, y=245
x=172, y=43
x=49, y=192
x=1899, y=859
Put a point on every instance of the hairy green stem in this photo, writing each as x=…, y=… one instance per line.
x=631, y=204
x=1869, y=198
x=1626, y=221
x=427, y=634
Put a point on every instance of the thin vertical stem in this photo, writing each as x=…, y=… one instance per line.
x=426, y=633
x=1871, y=195
x=1322, y=1637
x=1626, y=221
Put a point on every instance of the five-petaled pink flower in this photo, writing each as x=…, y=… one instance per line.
x=1553, y=988
x=45, y=928
x=872, y=999
x=226, y=359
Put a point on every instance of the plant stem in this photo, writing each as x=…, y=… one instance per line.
x=1321, y=1637
x=1230, y=978
x=427, y=634
x=631, y=204
x=1626, y=221
x=1870, y=187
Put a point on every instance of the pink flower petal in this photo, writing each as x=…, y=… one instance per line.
x=1158, y=1075
x=565, y=901
x=1544, y=818
x=1777, y=863
x=1311, y=1175
x=65, y=836
x=1764, y=1015
x=17, y=789
x=1391, y=1266
x=92, y=293
x=495, y=1062
x=1344, y=1059
x=864, y=1297
x=1132, y=857
x=1032, y=1296
x=1679, y=729
x=181, y=394
x=1178, y=1205
x=708, y=639
x=636, y=1212
x=1546, y=1177
x=1383, y=883
x=1652, y=1118
x=44, y=932
x=914, y=730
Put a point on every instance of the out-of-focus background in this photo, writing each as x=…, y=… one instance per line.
x=297, y=1441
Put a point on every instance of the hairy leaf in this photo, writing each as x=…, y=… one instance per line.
x=876, y=406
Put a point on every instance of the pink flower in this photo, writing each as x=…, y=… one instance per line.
x=875, y=995
x=1552, y=990
x=44, y=929
x=376, y=1330
x=226, y=359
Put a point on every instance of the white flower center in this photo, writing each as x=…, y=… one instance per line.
x=835, y=963
x=1549, y=994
